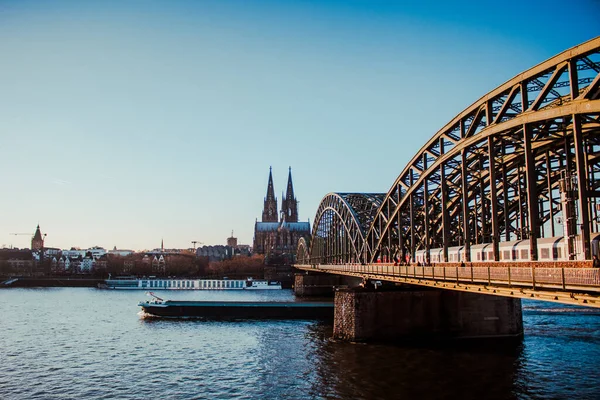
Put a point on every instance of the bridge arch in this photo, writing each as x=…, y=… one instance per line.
x=520, y=163
x=500, y=170
x=339, y=228
x=302, y=252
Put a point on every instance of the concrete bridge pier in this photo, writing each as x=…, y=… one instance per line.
x=381, y=315
x=319, y=284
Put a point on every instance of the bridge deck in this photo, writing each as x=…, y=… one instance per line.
x=579, y=286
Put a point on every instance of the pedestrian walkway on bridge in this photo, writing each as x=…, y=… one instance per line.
x=579, y=286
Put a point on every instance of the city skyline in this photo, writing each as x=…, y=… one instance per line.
x=122, y=125
x=26, y=237
x=195, y=243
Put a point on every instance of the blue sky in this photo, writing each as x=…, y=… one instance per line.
x=124, y=122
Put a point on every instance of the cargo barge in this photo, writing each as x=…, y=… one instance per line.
x=237, y=309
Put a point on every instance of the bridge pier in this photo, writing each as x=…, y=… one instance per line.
x=320, y=284
x=380, y=315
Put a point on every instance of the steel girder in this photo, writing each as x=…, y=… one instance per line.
x=493, y=172
x=496, y=172
x=341, y=223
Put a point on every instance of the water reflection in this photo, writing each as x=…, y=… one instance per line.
x=451, y=370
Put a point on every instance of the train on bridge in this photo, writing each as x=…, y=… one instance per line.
x=548, y=249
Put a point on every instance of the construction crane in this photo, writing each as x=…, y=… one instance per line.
x=18, y=234
x=29, y=234
x=194, y=242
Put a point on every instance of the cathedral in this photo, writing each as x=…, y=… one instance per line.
x=277, y=234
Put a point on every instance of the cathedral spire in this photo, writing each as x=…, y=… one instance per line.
x=270, y=207
x=289, y=206
x=270, y=188
x=289, y=195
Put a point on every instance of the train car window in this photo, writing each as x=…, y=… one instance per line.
x=545, y=253
x=524, y=254
x=478, y=256
x=507, y=254
x=490, y=255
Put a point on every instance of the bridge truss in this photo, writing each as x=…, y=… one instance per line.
x=521, y=163
x=343, y=220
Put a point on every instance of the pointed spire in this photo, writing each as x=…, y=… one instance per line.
x=37, y=241
x=38, y=234
x=162, y=244
x=270, y=207
x=290, y=187
x=290, y=207
x=270, y=188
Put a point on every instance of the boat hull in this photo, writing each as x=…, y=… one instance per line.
x=238, y=310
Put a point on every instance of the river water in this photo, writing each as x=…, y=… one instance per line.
x=78, y=343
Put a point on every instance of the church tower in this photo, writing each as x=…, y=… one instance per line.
x=289, y=205
x=270, y=208
x=37, y=241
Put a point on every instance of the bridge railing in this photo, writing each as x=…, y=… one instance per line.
x=533, y=277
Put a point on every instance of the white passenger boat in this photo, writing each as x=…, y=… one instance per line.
x=188, y=284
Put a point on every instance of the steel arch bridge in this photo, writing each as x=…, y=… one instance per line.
x=511, y=166
x=343, y=221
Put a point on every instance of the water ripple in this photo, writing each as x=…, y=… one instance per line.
x=86, y=343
